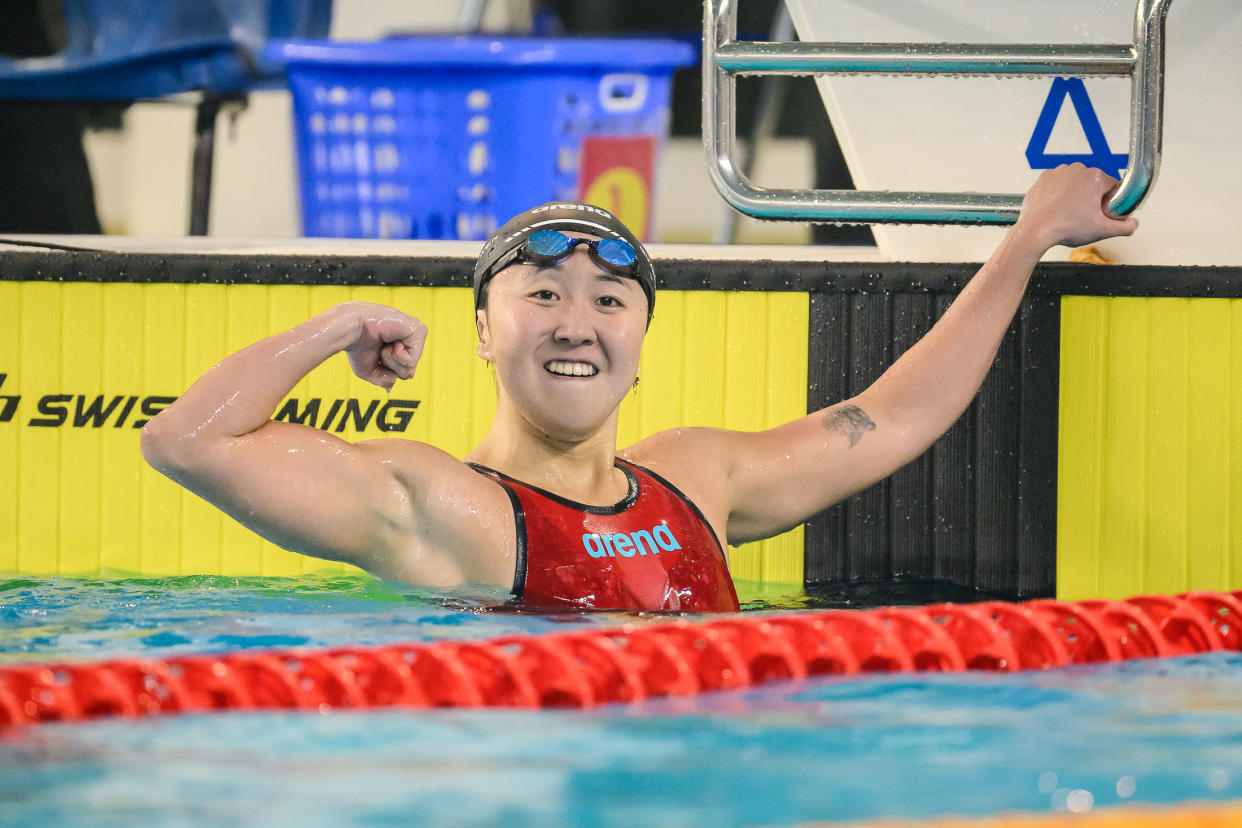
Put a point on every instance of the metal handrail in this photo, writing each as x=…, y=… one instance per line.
x=724, y=58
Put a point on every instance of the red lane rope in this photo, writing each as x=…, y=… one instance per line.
x=632, y=663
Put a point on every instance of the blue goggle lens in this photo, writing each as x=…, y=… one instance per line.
x=616, y=251
x=548, y=243
x=553, y=246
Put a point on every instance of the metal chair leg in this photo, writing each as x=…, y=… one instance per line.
x=204, y=152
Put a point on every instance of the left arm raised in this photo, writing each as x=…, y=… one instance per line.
x=780, y=477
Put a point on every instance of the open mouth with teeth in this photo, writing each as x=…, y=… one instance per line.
x=570, y=369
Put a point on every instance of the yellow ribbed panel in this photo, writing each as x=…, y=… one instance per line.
x=121, y=358
x=164, y=373
x=38, y=448
x=90, y=363
x=79, y=472
x=1150, y=440
x=10, y=339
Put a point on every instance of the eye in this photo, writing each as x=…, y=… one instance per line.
x=543, y=295
x=610, y=302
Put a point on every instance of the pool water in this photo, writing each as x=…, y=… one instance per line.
x=43, y=619
x=826, y=749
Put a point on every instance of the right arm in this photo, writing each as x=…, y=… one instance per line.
x=300, y=487
x=782, y=476
x=770, y=481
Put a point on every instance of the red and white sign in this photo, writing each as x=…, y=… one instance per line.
x=616, y=172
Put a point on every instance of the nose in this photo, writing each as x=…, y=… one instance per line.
x=575, y=324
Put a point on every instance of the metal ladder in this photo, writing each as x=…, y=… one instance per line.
x=724, y=58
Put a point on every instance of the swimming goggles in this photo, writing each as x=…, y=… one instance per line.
x=551, y=246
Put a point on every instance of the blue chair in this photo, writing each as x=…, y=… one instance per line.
x=130, y=50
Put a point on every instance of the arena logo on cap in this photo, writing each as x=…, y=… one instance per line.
x=560, y=224
x=573, y=205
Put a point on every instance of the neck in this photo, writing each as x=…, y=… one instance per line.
x=581, y=469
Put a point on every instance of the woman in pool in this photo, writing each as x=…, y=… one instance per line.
x=546, y=504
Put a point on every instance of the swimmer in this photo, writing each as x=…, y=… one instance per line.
x=546, y=504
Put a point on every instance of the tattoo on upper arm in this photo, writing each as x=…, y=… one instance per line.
x=849, y=420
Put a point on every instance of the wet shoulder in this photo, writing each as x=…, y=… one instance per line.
x=459, y=512
x=677, y=446
x=694, y=460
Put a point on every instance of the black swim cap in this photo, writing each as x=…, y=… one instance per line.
x=561, y=215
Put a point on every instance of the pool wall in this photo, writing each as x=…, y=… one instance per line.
x=86, y=363
x=1151, y=439
x=1095, y=462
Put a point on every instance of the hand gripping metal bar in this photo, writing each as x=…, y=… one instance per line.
x=724, y=57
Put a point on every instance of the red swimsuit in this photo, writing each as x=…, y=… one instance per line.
x=652, y=551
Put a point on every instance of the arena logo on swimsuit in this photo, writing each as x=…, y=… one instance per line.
x=639, y=542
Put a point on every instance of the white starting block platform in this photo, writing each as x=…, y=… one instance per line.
x=954, y=134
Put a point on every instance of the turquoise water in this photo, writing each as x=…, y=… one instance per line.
x=832, y=749
x=42, y=619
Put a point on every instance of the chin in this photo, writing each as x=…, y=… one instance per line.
x=568, y=417
x=570, y=432
x=568, y=423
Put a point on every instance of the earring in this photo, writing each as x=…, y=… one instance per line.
x=635, y=386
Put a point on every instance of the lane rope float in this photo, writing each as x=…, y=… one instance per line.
x=632, y=663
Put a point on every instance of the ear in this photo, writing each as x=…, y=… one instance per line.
x=484, y=349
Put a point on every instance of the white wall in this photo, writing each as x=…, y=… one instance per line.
x=142, y=173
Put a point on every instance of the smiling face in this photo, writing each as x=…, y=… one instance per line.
x=565, y=339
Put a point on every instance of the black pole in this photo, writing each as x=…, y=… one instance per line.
x=204, y=150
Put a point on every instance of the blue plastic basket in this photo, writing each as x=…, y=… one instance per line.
x=447, y=137
x=125, y=50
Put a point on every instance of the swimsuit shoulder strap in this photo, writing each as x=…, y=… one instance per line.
x=511, y=484
x=675, y=492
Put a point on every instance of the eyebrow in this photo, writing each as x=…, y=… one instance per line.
x=612, y=277
x=552, y=270
x=553, y=267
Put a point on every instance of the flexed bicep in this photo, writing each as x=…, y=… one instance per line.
x=303, y=489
